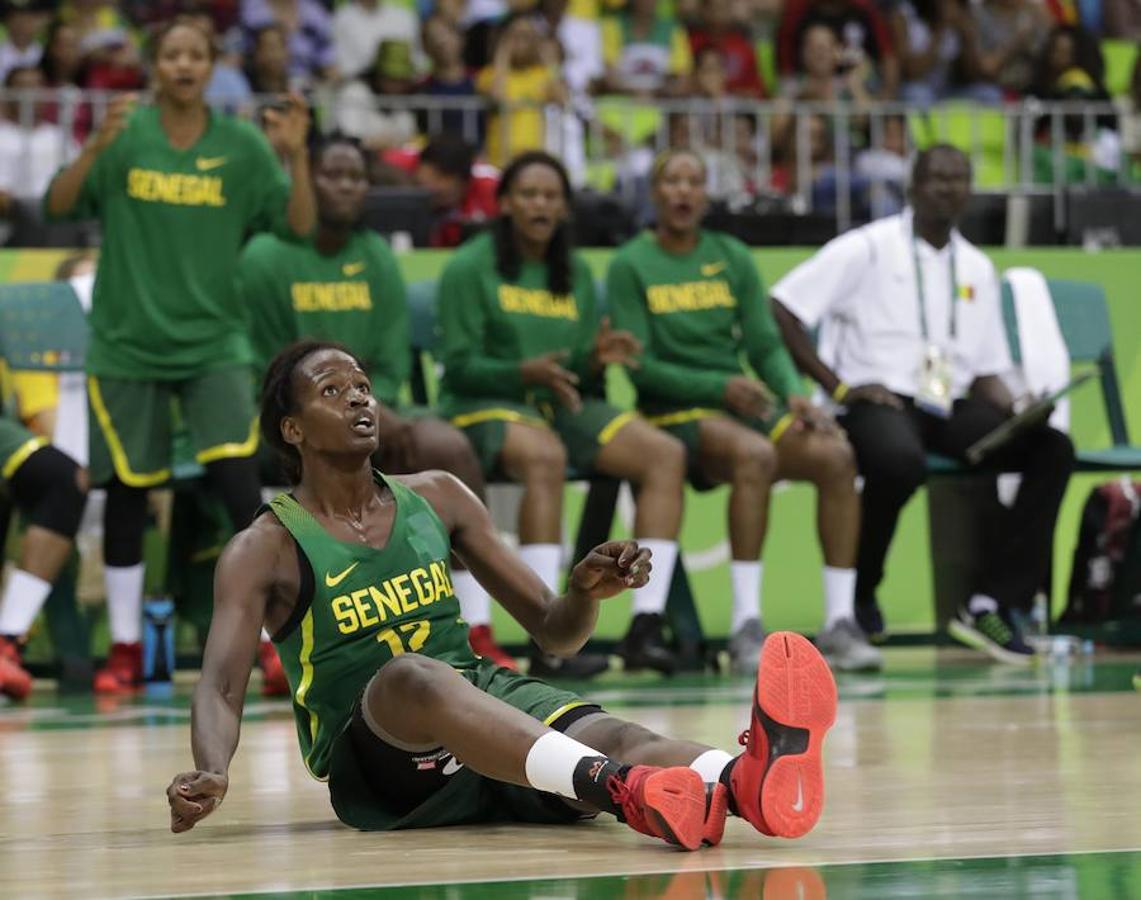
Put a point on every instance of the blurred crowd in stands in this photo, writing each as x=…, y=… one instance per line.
x=761, y=88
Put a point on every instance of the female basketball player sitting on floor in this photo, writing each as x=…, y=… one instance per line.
x=350, y=574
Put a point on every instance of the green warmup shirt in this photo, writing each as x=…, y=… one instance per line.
x=368, y=606
x=490, y=325
x=355, y=297
x=174, y=222
x=695, y=315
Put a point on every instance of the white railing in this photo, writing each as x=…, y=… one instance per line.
x=769, y=152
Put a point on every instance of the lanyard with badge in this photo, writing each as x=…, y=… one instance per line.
x=934, y=394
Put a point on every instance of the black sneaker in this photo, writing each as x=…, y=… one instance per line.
x=994, y=633
x=643, y=647
x=870, y=620
x=580, y=666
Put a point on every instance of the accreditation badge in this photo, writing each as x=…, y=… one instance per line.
x=934, y=394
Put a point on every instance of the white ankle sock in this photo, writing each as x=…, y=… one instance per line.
x=551, y=763
x=710, y=765
x=746, y=578
x=475, y=602
x=124, y=602
x=839, y=595
x=544, y=559
x=981, y=603
x=652, y=597
x=24, y=597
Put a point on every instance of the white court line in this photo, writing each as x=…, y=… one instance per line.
x=714, y=868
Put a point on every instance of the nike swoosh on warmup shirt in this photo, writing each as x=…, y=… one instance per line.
x=205, y=164
x=334, y=580
x=711, y=269
x=351, y=269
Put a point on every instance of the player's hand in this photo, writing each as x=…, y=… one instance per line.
x=615, y=346
x=872, y=393
x=547, y=371
x=813, y=417
x=747, y=397
x=114, y=121
x=611, y=568
x=193, y=796
x=290, y=124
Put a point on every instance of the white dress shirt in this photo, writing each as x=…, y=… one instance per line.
x=861, y=289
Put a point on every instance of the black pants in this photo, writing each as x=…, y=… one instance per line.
x=890, y=447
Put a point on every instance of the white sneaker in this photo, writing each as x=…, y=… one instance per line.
x=846, y=648
x=745, y=648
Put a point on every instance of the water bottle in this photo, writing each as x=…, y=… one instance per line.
x=158, y=640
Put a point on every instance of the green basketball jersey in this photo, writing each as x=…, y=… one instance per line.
x=488, y=325
x=696, y=314
x=368, y=606
x=174, y=222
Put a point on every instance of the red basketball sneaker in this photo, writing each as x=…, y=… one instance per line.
x=123, y=672
x=483, y=643
x=273, y=680
x=15, y=681
x=663, y=803
x=716, y=809
x=777, y=784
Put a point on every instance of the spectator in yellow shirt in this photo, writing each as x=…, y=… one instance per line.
x=523, y=78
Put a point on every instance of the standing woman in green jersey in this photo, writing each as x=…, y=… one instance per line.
x=694, y=300
x=524, y=351
x=177, y=188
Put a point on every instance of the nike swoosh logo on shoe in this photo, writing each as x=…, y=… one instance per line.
x=798, y=806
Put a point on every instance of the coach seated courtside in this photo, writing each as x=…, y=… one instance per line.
x=912, y=346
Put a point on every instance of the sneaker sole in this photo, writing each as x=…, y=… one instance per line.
x=674, y=803
x=716, y=811
x=795, y=690
x=976, y=640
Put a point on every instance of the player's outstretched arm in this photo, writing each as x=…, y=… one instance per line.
x=243, y=581
x=559, y=624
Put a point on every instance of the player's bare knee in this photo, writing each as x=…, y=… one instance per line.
x=545, y=461
x=754, y=460
x=665, y=460
x=409, y=675
x=837, y=463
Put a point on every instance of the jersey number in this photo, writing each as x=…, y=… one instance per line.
x=409, y=637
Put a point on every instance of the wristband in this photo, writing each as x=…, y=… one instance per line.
x=840, y=392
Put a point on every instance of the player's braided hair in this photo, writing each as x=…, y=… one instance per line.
x=279, y=398
x=508, y=261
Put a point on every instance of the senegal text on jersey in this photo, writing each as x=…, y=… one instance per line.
x=394, y=595
x=689, y=297
x=175, y=188
x=334, y=296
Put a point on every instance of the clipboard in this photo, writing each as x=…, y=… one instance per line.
x=1035, y=413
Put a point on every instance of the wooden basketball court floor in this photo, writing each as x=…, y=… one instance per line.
x=947, y=777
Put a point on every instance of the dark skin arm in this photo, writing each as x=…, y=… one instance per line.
x=559, y=624
x=256, y=573
x=804, y=355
